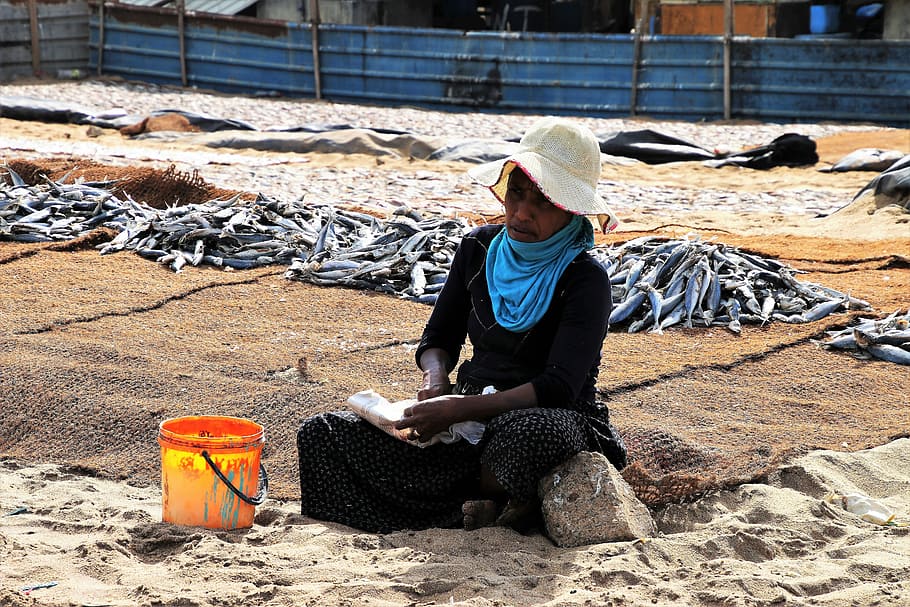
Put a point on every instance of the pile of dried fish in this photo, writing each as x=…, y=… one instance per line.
x=406, y=255
x=885, y=339
x=658, y=283
x=52, y=211
x=225, y=233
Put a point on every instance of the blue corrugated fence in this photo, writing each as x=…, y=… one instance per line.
x=678, y=77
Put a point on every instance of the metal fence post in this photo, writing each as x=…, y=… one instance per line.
x=36, y=37
x=728, y=41
x=314, y=30
x=100, y=35
x=644, y=9
x=181, y=9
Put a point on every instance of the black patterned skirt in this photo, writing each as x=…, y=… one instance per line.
x=355, y=474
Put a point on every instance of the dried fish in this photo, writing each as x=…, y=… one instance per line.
x=656, y=282
x=886, y=339
x=709, y=284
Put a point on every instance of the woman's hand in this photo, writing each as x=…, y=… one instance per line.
x=435, y=365
x=433, y=415
x=429, y=417
x=433, y=387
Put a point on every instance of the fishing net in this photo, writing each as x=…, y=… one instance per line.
x=700, y=408
x=665, y=468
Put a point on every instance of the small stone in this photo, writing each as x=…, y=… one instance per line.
x=290, y=375
x=587, y=501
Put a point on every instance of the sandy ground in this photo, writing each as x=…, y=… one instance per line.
x=97, y=351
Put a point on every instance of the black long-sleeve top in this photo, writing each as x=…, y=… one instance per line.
x=560, y=355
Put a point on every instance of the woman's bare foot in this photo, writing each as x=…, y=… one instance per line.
x=479, y=513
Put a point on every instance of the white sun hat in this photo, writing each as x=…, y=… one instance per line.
x=562, y=158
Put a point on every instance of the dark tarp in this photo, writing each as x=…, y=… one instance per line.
x=893, y=182
x=646, y=145
x=790, y=149
x=653, y=147
x=42, y=110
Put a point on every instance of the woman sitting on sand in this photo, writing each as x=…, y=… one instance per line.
x=535, y=306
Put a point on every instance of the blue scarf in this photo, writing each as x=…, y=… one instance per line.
x=521, y=276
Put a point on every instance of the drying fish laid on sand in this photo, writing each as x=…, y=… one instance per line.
x=884, y=339
x=659, y=282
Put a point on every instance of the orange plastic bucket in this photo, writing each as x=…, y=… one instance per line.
x=211, y=475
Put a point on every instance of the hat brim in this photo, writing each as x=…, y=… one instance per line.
x=565, y=191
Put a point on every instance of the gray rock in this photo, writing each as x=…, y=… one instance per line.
x=587, y=501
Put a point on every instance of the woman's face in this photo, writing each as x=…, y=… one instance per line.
x=530, y=217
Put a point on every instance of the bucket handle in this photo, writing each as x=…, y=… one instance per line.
x=261, y=492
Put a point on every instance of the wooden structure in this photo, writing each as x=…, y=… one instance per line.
x=755, y=19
